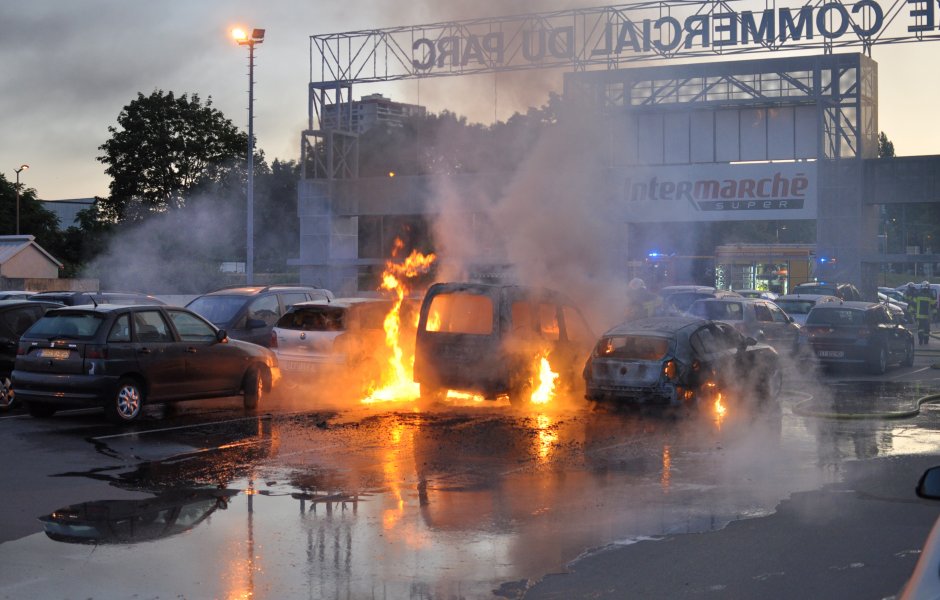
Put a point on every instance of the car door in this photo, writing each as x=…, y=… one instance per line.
x=895, y=341
x=212, y=367
x=159, y=355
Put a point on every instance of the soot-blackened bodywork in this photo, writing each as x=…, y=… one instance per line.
x=672, y=361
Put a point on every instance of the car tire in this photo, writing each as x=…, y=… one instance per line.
x=127, y=402
x=879, y=363
x=7, y=396
x=520, y=390
x=40, y=410
x=772, y=386
x=908, y=355
x=253, y=388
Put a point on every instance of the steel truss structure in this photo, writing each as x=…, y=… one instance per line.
x=843, y=87
x=611, y=38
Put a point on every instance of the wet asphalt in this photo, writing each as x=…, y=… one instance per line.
x=312, y=498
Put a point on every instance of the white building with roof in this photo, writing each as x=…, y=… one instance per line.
x=22, y=258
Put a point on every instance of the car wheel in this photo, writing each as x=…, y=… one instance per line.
x=40, y=410
x=127, y=402
x=253, y=388
x=6, y=393
x=908, y=355
x=520, y=390
x=880, y=363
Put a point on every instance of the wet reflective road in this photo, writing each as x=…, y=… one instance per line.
x=385, y=502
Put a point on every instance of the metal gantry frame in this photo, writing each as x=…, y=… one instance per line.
x=607, y=38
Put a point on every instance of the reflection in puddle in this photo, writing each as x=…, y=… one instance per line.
x=442, y=505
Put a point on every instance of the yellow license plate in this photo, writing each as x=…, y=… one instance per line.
x=53, y=353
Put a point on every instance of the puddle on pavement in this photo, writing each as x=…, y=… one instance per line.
x=419, y=506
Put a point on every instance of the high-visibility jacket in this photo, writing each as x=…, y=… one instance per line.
x=923, y=306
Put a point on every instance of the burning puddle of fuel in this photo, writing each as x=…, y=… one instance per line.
x=454, y=503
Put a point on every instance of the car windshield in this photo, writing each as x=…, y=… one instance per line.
x=217, y=309
x=633, y=347
x=719, y=311
x=461, y=312
x=314, y=318
x=70, y=325
x=796, y=307
x=836, y=316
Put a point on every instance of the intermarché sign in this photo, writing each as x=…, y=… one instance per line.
x=614, y=34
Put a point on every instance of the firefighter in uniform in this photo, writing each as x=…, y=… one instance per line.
x=924, y=309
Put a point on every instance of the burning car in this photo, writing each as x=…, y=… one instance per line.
x=676, y=361
x=491, y=339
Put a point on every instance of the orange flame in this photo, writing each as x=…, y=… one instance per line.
x=720, y=410
x=545, y=390
x=396, y=382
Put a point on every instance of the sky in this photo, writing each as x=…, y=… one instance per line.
x=70, y=66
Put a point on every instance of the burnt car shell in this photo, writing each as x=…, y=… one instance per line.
x=490, y=335
x=671, y=361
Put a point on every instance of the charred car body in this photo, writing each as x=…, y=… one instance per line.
x=486, y=338
x=675, y=361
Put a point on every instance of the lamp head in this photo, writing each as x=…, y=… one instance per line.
x=22, y=168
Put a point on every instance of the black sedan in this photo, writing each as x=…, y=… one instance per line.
x=862, y=333
x=677, y=361
x=121, y=357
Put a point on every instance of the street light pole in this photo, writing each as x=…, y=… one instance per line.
x=244, y=39
x=22, y=168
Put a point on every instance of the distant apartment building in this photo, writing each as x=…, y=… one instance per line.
x=370, y=111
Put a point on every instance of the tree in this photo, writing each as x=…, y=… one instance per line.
x=885, y=146
x=35, y=219
x=163, y=147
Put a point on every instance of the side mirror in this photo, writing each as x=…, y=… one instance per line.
x=221, y=336
x=255, y=324
x=929, y=484
x=749, y=341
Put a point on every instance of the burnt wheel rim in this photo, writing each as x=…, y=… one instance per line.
x=128, y=402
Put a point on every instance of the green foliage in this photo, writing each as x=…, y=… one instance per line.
x=885, y=146
x=164, y=147
x=35, y=219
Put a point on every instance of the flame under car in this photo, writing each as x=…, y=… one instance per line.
x=676, y=361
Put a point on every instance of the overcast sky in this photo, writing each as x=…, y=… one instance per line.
x=70, y=66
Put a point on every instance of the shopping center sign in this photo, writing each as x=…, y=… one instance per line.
x=716, y=192
x=614, y=35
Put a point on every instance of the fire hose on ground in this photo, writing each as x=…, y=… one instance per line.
x=801, y=409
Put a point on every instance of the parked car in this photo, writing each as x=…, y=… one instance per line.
x=68, y=298
x=679, y=361
x=678, y=298
x=764, y=294
x=15, y=294
x=16, y=316
x=249, y=313
x=857, y=333
x=122, y=357
x=485, y=338
x=797, y=306
x=845, y=291
x=760, y=319
x=343, y=337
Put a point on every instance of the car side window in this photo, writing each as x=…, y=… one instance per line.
x=522, y=317
x=548, y=322
x=777, y=314
x=190, y=328
x=703, y=342
x=762, y=313
x=265, y=309
x=149, y=326
x=575, y=327
x=121, y=330
x=289, y=299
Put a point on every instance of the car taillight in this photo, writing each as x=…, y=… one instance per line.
x=273, y=342
x=670, y=370
x=22, y=349
x=864, y=332
x=96, y=351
